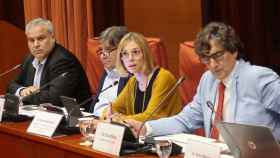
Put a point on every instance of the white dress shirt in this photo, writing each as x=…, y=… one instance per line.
x=108, y=95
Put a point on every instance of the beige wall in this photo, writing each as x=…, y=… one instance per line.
x=173, y=21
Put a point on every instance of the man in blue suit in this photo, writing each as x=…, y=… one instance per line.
x=250, y=93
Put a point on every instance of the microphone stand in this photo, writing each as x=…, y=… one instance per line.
x=44, y=86
x=10, y=70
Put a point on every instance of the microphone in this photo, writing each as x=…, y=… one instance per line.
x=105, y=89
x=160, y=105
x=63, y=75
x=211, y=106
x=10, y=70
x=112, y=85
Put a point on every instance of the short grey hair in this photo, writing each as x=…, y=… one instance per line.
x=113, y=35
x=37, y=22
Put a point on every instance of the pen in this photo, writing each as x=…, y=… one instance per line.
x=111, y=112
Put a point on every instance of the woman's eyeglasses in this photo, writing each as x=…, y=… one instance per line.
x=134, y=52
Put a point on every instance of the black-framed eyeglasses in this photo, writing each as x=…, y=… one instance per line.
x=218, y=56
x=105, y=52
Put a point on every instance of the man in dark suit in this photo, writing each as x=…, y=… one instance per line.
x=45, y=64
x=109, y=40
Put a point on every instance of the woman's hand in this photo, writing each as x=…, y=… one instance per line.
x=136, y=127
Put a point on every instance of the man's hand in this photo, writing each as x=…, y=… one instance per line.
x=135, y=127
x=28, y=90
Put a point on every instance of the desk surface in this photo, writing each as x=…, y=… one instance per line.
x=16, y=142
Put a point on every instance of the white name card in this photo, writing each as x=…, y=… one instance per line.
x=2, y=102
x=201, y=149
x=108, y=138
x=44, y=123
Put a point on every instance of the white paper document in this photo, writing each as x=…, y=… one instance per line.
x=28, y=110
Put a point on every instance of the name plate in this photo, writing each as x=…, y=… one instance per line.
x=2, y=102
x=108, y=138
x=44, y=123
x=200, y=149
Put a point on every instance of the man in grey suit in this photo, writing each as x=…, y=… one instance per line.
x=45, y=65
x=249, y=94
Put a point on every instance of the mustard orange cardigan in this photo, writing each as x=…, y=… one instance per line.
x=164, y=81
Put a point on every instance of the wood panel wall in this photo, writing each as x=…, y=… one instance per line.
x=173, y=21
x=13, y=48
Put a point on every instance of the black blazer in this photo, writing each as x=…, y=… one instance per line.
x=60, y=60
x=121, y=85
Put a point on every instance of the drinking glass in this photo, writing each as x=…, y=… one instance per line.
x=86, y=128
x=163, y=148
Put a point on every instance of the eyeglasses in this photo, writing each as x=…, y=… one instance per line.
x=105, y=52
x=134, y=52
x=218, y=56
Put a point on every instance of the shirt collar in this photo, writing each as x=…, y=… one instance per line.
x=228, y=80
x=36, y=62
x=112, y=73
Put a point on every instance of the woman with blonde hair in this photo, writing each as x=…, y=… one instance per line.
x=148, y=85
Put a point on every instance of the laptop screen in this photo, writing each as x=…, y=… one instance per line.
x=249, y=141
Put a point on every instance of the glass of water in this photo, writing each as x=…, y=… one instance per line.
x=86, y=128
x=163, y=148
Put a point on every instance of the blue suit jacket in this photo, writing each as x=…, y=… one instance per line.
x=254, y=99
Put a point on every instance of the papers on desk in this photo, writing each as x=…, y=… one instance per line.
x=31, y=110
x=28, y=110
x=183, y=140
x=85, y=114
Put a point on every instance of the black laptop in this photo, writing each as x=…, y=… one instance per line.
x=249, y=141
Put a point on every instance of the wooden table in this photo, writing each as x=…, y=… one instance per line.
x=15, y=142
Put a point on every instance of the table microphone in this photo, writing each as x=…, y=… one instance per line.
x=105, y=89
x=111, y=85
x=161, y=105
x=10, y=70
x=63, y=75
x=211, y=106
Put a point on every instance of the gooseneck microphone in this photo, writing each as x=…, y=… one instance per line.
x=211, y=106
x=105, y=89
x=10, y=70
x=111, y=85
x=63, y=75
x=161, y=105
